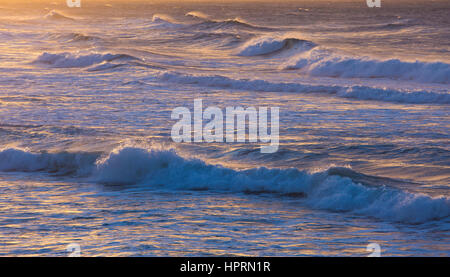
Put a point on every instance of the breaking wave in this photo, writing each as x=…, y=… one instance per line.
x=17, y=160
x=165, y=169
x=356, y=92
x=236, y=23
x=73, y=37
x=322, y=62
x=198, y=15
x=269, y=45
x=164, y=21
x=56, y=15
x=208, y=22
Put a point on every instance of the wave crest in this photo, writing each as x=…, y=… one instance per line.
x=322, y=62
x=164, y=21
x=355, y=92
x=270, y=45
x=56, y=15
x=68, y=60
x=198, y=15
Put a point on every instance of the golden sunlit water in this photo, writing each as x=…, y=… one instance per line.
x=86, y=154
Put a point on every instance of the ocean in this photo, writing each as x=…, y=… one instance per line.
x=87, y=158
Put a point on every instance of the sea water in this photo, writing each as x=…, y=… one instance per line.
x=86, y=155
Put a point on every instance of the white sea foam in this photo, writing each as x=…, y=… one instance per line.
x=164, y=21
x=323, y=62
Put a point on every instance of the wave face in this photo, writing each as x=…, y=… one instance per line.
x=67, y=60
x=355, y=92
x=228, y=24
x=165, y=169
x=269, y=45
x=322, y=62
x=164, y=21
x=17, y=160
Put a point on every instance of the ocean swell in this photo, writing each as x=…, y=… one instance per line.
x=56, y=15
x=354, y=92
x=68, y=60
x=271, y=45
x=228, y=24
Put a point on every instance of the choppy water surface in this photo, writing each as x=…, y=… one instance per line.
x=86, y=156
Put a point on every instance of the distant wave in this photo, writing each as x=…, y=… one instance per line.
x=73, y=37
x=323, y=62
x=67, y=60
x=221, y=39
x=270, y=45
x=384, y=26
x=393, y=25
x=56, y=15
x=356, y=92
x=392, y=95
x=236, y=23
x=17, y=160
x=165, y=169
x=209, y=22
x=164, y=21
x=198, y=15
x=106, y=66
